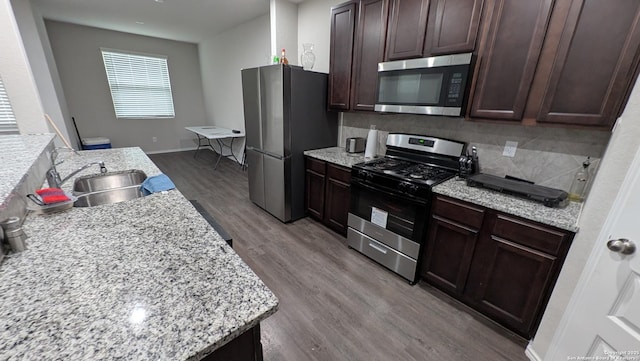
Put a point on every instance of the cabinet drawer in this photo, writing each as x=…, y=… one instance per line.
x=531, y=235
x=315, y=165
x=460, y=212
x=338, y=173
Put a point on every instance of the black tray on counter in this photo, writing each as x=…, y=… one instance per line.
x=550, y=197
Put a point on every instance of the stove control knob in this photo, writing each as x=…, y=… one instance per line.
x=408, y=187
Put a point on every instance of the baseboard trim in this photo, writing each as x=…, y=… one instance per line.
x=531, y=354
x=171, y=150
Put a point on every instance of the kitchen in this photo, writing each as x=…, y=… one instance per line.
x=535, y=143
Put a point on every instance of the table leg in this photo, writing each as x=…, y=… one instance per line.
x=200, y=138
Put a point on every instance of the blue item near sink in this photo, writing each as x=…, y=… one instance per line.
x=157, y=183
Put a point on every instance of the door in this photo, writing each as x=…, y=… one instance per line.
x=256, y=177
x=272, y=104
x=593, y=68
x=508, y=57
x=407, y=28
x=252, y=107
x=276, y=198
x=343, y=19
x=452, y=26
x=604, y=320
x=369, y=51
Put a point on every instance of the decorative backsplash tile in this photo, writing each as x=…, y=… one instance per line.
x=546, y=156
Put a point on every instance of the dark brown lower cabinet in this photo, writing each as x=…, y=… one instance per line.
x=501, y=265
x=246, y=347
x=327, y=193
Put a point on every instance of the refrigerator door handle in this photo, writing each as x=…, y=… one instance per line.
x=273, y=155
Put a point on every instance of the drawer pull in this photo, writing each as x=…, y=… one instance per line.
x=377, y=248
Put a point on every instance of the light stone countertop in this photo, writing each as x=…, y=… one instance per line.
x=17, y=155
x=146, y=279
x=564, y=218
x=336, y=155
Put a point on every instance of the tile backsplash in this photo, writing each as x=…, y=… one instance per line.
x=546, y=156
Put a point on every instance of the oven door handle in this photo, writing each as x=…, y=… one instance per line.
x=388, y=192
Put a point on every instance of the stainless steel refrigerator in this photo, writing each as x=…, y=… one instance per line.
x=285, y=113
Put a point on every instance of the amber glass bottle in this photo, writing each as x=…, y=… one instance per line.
x=283, y=58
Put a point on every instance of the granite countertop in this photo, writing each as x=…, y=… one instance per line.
x=146, y=279
x=17, y=155
x=564, y=218
x=336, y=155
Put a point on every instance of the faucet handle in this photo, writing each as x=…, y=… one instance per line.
x=103, y=169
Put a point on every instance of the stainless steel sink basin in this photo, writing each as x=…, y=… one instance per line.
x=108, y=196
x=110, y=180
x=108, y=188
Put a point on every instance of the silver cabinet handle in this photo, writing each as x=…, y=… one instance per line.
x=377, y=248
x=622, y=245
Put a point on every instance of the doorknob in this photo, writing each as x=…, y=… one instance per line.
x=621, y=245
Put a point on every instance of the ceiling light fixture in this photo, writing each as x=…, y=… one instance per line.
x=159, y=1
x=140, y=22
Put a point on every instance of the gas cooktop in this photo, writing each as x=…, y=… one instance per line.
x=408, y=171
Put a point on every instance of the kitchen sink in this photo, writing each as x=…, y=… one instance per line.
x=110, y=180
x=108, y=196
x=108, y=188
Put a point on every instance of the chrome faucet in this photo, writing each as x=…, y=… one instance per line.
x=53, y=177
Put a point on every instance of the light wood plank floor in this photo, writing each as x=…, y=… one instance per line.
x=335, y=304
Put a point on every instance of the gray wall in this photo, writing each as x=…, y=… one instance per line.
x=222, y=57
x=77, y=54
x=546, y=156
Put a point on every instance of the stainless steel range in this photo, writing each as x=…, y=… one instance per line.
x=390, y=199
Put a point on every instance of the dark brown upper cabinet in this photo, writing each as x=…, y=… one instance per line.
x=407, y=29
x=343, y=19
x=569, y=63
x=452, y=26
x=594, y=65
x=368, y=52
x=507, y=57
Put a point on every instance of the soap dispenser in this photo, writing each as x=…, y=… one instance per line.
x=580, y=180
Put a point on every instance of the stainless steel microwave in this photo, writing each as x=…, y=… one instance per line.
x=431, y=86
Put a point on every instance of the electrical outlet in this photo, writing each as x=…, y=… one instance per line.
x=510, y=149
x=155, y=139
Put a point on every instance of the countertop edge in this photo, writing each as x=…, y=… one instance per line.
x=562, y=218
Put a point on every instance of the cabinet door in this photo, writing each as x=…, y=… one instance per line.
x=448, y=254
x=453, y=26
x=452, y=237
x=314, y=189
x=338, y=193
x=341, y=55
x=407, y=28
x=369, y=51
x=511, y=277
x=594, y=65
x=507, y=58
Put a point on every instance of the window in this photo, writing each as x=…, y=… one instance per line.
x=7, y=118
x=140, y=86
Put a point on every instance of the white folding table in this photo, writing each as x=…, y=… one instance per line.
x=208, y=133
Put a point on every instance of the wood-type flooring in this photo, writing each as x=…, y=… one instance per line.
x=335, y=304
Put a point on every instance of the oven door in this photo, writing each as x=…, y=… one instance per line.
x=399, y=214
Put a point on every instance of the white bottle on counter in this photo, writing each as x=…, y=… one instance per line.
x=372, y=143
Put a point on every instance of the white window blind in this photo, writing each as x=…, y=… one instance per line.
x=7, y=118
x=140, y=86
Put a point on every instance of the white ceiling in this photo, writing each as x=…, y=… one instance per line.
x=184, y=20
